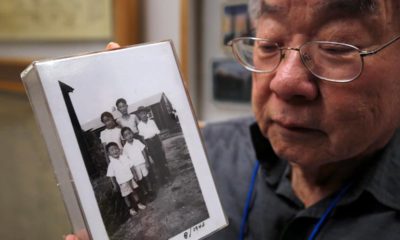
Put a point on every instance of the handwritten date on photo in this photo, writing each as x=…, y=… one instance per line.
x=188, y=234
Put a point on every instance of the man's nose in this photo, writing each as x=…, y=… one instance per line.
x=292, y=80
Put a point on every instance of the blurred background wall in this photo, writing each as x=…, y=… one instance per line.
x=31, y=206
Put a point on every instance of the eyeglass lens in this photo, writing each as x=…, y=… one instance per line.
x=326, y=60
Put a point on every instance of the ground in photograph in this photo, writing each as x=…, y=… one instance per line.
x=176, y=207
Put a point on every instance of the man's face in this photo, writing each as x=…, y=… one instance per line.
x=122, y=108
x=312, y=122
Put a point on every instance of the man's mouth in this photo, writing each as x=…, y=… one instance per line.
x=296, y=127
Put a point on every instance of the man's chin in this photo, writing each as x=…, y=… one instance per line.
x=301, y=155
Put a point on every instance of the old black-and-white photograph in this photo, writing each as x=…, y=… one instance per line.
x=140, y=168
x=125, y=146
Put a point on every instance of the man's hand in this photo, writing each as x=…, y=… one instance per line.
x=112, y=45
x=71, y=237
x=80, y=235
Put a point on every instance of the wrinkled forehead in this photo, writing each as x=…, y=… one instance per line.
x=377, y=13
x=339, y=6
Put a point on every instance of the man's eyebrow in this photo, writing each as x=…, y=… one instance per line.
x=271, y=9
x=348, y=7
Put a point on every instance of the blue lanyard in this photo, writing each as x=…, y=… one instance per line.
x=328, y=211
x=248, y=201
x=317, y=226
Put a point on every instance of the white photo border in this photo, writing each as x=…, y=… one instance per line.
x=163, y=57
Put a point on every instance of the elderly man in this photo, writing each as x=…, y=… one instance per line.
x=325, y=95
x=322, y=160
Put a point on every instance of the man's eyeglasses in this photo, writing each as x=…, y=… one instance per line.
x=331, y=61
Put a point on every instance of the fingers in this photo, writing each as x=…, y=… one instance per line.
x=71, y=237
x=112, y=45
x=81, y=234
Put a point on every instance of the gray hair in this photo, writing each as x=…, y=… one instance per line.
x=255, y=7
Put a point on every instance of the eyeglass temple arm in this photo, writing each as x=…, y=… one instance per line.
x=372, y=52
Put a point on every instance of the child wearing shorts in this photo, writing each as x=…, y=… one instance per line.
x=119, y=170
x=136, y=151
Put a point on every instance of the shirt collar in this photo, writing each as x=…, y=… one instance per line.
x=381, y=178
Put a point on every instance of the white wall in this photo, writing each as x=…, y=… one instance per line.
x=162, y=21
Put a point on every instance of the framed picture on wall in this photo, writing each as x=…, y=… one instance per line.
x=235, y=21
x=74, y=20
x=114, y=19
x=231, y=81
x=56, y=20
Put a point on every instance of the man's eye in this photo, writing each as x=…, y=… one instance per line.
x=267, y=48
x=333, y=49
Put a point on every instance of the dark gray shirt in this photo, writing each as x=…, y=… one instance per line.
x=369, y=210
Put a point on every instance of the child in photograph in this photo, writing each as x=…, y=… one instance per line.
x=112, y=132
x=136, y=151
x=150, y=133
x=126, y=120
x=119, y=170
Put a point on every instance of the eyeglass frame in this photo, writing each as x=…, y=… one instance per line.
x=362, y=53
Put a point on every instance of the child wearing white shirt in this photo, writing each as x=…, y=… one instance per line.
x=136, y=151
x=150, y=132
x=112, y=132
x=119, y=171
